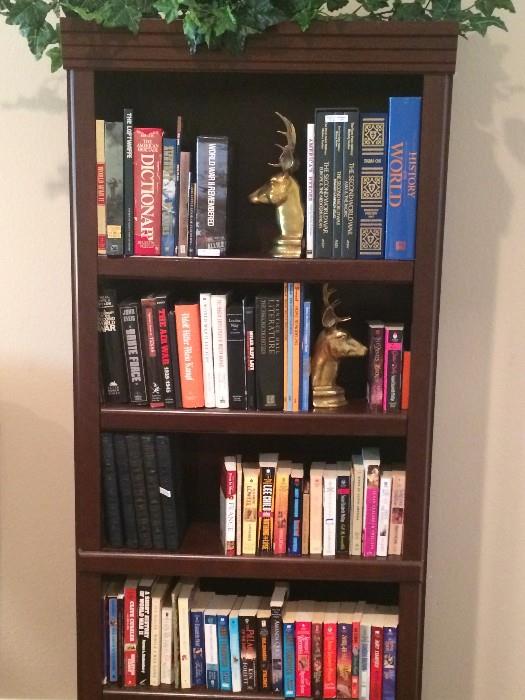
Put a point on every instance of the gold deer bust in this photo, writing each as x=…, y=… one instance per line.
x=284, y=193
x=332, y=344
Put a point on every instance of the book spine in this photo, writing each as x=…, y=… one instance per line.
x=249, y=337
x=289, y=659
x=113, y=367
x=212, y=195
x=358, y=492
x=228, y=511
x=239, y=516
x=113, y=639
x=167, y=675
x=276, y=637
x=269, y=352
x=144, y=634
x=130, y=637
x=303, y=656
x=151, y=478
x=198, y=649
x=184, y=182
x=295, y=516
x=161, y=326
x=207, y=350
x=154, y=666
x=132, y=341
x=101, y=186
x=316, y=511
x=405, y=381
x=280, y=530
x=248, y=653
x=296, y=343
x=330, y=660
x=249, y=519
x=288, y=363
x=174, y=354
x=350, y=188
x=343, y=514
x=120, y=637
x=376, y=663
x=187, y=322
x=152, y=358
x=147, y=184
x=235, y=652
x=329, y=514
x=223, y=647
x=305, y=356
x=376, y=362
x=402, y=173
x=220, y=349
x=169, y=498
x=364, y=662
x=112, y=519
x=383, y=519
x=372, y=186
x=310, y=189
x=236, y=357
x=389, y=663
x=392, y=368
x=323, y=185
x=317, y=660
x=397, y=514
x=266, y=510
x=128, y=182
x=185, y=643
x=305, y=532
x=356, y=636
x=192, y=233
x=136, y=471
x=264, y=654
x=176, y=212
x=371, y=511
x=169, y=147
x=212, y=652
x=338, y=129
x=114, y=149
x=344, y=660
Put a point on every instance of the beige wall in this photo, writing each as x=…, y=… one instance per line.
x=475, y=611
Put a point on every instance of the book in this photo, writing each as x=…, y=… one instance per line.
x=338, y=144
x=228, y=505
x=114, y=153
x=316, y=507
x=295, y=508
x=376, y=657
x=372, y=469
x=125, y=488
x=130, y=632
x=310, y=186
x=176, y=651
x=174, y=355
x=357, y=617
x=129, y=210
x=350, y=195
x=277, y=602
x=405, y=380
x=329, y=509
x=305, y=531
x=154, y=372
x=160, y=592
x=225, y=605
x=397, y=513
x=192, y=234
x=132, y=343
x=390, y=625
x=114, y=378
x=144, y=628
x=240, y=510
x=364, y=652
x=211, y=210
x=184, y=189
x=288, y=355
x=219, y=303
x=304, y=398
x=250, y=503
x=201, y=601
x=236, y=357
x=267, y=464
x=280, y=527
x=323, y=184
x=211, y=645
x=171, y=490
x=207, y=350
x=303, y=649
x=296, y=343
x=101, y=186
x=235, y=645
x=187, y=323
x=248, y=635
x=393, y=359
x=167, y=676
x=330, y=650
x=249, y=337
x=343, y=496
x=318, y=617
x=289, y=611
x=184, y=602
x=164, y=353
x=176, y=211
x=358, y=495
x=269, y=351
x=113, y=591
x=151, y=478
x=383, y=518
x=147, y=184
x=344, y=650
x=112, y=516
x=404, y=123
x=169, y=177
x=264, y=656
x=140, y=498
x=372, y=186
x=376, y=362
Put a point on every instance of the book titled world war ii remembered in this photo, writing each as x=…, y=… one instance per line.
x=402, y=173
x=114, y=146
x=372, y=186
x=147, y=161
x=269, y=351
x=113, y=368
x=211, y=206
x=132, y=337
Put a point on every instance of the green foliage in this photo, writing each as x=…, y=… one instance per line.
x=228, y=23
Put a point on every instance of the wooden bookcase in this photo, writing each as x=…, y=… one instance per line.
x=292, y=72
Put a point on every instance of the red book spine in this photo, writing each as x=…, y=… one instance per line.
x=130, y=637
x=405, y=381
x=187, y=320
x=376, y=664
x=147, y=178
x=356, y=641
x=303, y=659
x=329, y=659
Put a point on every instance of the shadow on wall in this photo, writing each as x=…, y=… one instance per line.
x=480, y=200
x=48, y=99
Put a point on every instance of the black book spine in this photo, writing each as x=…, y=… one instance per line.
x=151, y=477
x=264, y=654
x=144, y=633
x=343, y=514
x=132, y=341
x=236, y=358
x=211, y=201
x=269, y=352
x=169, y=496
x=114, y=151
x=176, y=201
x=164, y=346
x=113, y=369
x=350, y=186
x=323, y=185
x=249, y=338
x=140, y=497
x=112, y=518
x=128, y=182
x=248, y=633
x=127, y=503
x=174, y=354
x=338, y=128
x=192, y=231
x=154, y=370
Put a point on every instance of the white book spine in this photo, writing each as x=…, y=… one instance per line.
x=364, y=661
x=220, y=350
x=154, y=665
x=166, y=653
x=310, y=189
x=329, y=512
x=316, y=511
x=184, y=641
x=358, y=493
x=383, y=521
x=211, y=646
x=207, y=350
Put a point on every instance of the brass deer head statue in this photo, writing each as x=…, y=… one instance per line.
x=332, y=344
x=283, y=191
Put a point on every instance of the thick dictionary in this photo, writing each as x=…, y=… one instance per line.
x=112, y=355
x=147, y=172
x=211, y=205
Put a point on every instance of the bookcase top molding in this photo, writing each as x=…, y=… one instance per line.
x=333, y=47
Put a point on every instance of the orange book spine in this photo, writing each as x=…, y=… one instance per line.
x=329, y=659
x=187, y=319
x=101, y=187
x=296, y=350
x=405, y=386
x=280, y=527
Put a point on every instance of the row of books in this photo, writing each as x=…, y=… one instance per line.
x=217, y=353
x=143, y=492
x=161, y=632
x=151, y=200
x=362, y=182
x=276, y=507
x=388, y=385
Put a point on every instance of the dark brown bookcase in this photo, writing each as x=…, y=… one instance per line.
x=292, y=72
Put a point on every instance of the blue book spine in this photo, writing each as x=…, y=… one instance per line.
x=389, y=662
x=113, y=639
x=198, y=650
x=404, y=126
x=295, y=516
x=169, y=178
x=289, y=340
x=289, y=659
x=305, y=355
x=372, y=186
x=235, y=653
x=223, y=639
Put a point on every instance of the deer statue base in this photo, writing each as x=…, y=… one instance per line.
x=287, y=247
x=329, y=397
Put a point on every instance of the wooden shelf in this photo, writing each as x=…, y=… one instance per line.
x=201, y=553
x=165, y=691
x=256, y=269
x=354, y=419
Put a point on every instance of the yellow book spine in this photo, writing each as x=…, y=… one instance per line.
x=249, y=516
x=282, y=482
x=296, y=344
x=101, y=186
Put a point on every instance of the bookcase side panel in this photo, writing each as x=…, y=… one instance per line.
x=89, y=637
x=411, y=605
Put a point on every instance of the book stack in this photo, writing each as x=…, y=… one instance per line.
x=362, y=182
x=212, y=353
x=158, y=631
x=151, y=198
x=143, y=493
x=277, y=507
x=388, y=385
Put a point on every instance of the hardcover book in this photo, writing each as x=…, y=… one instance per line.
x=112, y=355
x=376, y=362
x=154, y=370
x=323, y=187
x=129, y=194
x=310, y=185
x=372, y=186
x=112, y=517
x=101, y=187
x=393, y=367
x=140, y=498
x=236, y=357
x=126, y=491
x=269, y=351
x=169, y=178
x=114, y=149
x=151, y=478
x=184, y=190
x=211, y=211
x=147, y=183
x=171, y=490
x=338, y=144
x=132, y=340
x=350, y=194
x=161, y=328
x=219, y=304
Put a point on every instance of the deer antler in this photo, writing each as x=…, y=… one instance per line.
x=330, y=318
x=287, y=161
